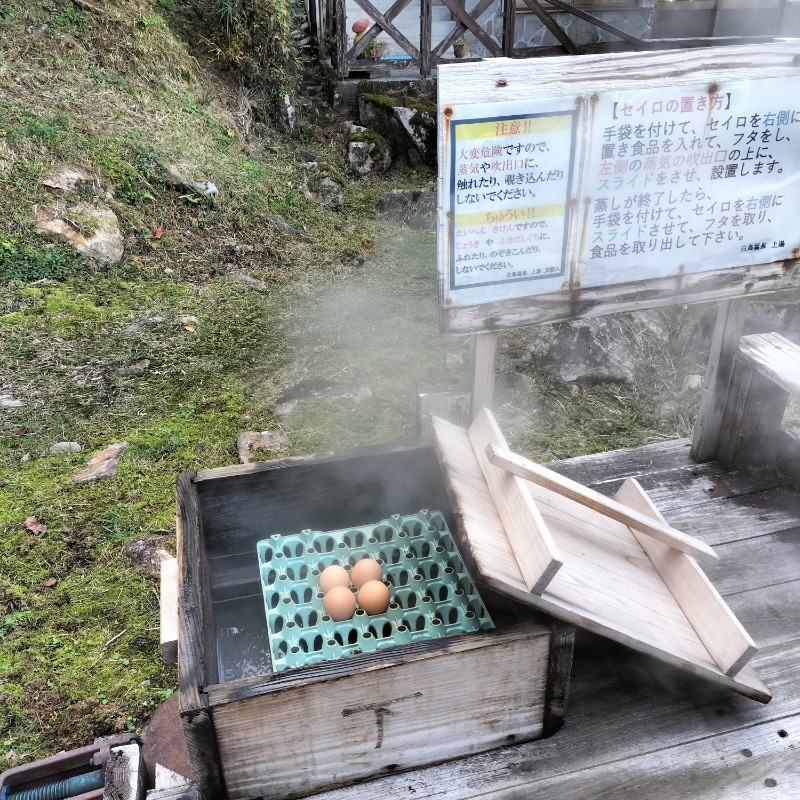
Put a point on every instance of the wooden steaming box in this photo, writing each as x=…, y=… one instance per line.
x=251, y=733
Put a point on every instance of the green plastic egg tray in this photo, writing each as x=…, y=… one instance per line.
x=430, y=591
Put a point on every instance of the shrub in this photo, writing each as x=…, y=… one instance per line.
x=26, y=262
x=263, y=40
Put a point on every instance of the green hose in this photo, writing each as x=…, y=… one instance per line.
x=60, y=790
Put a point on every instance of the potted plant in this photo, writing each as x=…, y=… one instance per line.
x=376, y=50
x=460, y=47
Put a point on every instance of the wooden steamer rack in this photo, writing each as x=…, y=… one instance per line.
x=612, y=566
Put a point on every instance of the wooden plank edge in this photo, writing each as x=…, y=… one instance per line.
x=239, y=470
x=724, y=343
x=589, y=498
x=444, y=433
x=531, y=542
x=124, y=775
x=168, y=611
x=726, y=640
x=559, y=672
x=301, y=677
x=728, y=283
x=746, y=682
x=773, y=356
x=787, y=459
x=196, y=720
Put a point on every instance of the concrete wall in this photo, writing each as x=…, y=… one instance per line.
x=744, y=18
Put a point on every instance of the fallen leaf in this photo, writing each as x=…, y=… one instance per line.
x=21, y=431
x=366, y=243
x=34, y=526
x=189, y=328
x=158, y=232
x=50, y=582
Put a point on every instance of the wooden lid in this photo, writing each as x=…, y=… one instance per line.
x=579, y=564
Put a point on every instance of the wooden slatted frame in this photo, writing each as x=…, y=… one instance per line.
x=597, y=22
x=382, y=23
x=429, y=55
x=553, y=27
x=531, y=542
x=727, y=642
x=568, y=597
x=466, y=21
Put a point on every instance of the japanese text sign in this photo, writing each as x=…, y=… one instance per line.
x=635, y=184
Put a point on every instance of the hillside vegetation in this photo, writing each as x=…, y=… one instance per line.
x=166, y=350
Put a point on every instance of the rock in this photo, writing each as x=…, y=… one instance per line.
x=135, y=370
x=70, y=43
x=288, y=112
x=66, y=447
x=102, y=465
x=92, y=231
x=64, y=179
x=145, y=322
x=353, y=394
x=324, y=186
x=692, y=383
x=408, y=123
x=183, y=176
x=253, y=283
x=146, y=553
x=587, y=351
x=367, y=152
x=252, y=444
x=415, y=208
x=8, y=401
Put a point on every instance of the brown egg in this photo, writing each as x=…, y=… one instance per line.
x=339, y=603
x=365, y=570
x=373, y=597
x=331, y=576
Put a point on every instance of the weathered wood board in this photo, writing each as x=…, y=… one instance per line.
x=607, y=583
x=341, y=723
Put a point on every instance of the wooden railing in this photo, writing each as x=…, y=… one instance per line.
x=386, y=47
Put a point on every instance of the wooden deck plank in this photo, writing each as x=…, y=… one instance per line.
x=666, y=474
x=753, y=563
x=721, y=766
x=627, y=463
x=773, y=612
x=725, y=520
